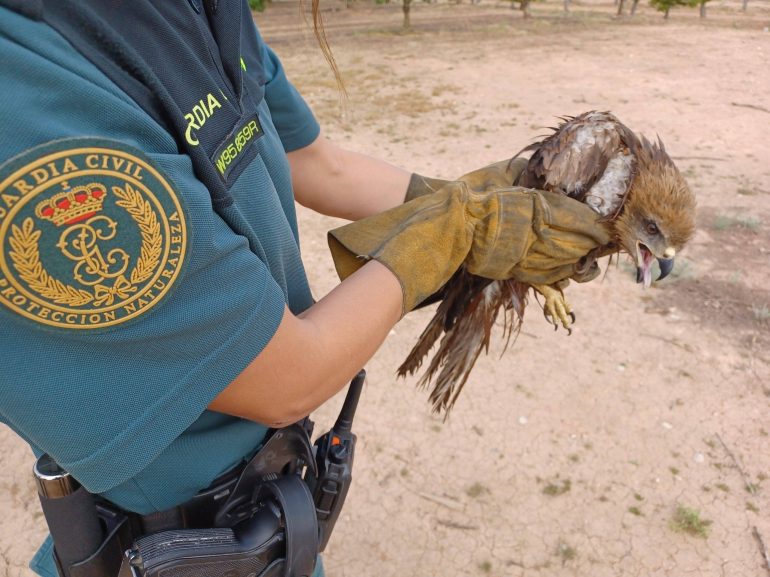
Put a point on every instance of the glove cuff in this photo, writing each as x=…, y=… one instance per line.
x=422, y=242
x=421, y=185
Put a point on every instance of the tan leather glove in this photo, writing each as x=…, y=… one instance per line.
x=425, y=241
x=566, y=231
x=503, y=174
x=499, y=174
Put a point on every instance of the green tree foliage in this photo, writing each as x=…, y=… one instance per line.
x=258, y=5
x=665, y=6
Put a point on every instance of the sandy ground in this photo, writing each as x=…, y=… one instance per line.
x=567, y=456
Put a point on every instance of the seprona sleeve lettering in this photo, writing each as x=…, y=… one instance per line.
x=126, y=303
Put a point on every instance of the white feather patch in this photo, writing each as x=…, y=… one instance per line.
x=607, y=193
x=587, y=137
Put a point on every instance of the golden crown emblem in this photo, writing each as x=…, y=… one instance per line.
x=72, y=205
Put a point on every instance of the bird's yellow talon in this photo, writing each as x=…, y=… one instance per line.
x=555, y=308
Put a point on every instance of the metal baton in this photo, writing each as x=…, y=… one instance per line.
x=70, y=512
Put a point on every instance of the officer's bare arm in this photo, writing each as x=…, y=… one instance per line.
x=311, y=357
x=338, y=182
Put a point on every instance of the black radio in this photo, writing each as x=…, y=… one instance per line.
x=334, y=461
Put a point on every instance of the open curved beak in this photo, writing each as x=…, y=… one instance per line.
x=666, y=266
x=645, y=258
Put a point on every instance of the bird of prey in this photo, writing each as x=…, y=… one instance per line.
x=639, y=195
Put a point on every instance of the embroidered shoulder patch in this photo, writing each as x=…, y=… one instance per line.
x=91, y=234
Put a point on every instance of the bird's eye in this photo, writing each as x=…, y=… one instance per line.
x=652, y=228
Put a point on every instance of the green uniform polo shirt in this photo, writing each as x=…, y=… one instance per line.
x=123, y=407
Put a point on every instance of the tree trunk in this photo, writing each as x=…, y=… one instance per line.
x=620, y=7
x=745, y=5
x=633, y=7
x=703, y=8
x=566, y=5
x=665, y=16
x=407, y=8
x=525, y=8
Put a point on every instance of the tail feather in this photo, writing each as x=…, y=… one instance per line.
x=424, y=344
x=455, y=298
x=459, y=349
x=465, y=318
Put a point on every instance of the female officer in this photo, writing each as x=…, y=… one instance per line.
x=156, y=317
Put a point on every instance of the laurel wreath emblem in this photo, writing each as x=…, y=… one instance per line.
x=25, y=253
x=152, y=241
x=26, y=258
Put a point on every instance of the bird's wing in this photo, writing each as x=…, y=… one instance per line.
x=576, y=155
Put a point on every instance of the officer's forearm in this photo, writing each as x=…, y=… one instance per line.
x=311, y=357
x=342, y=183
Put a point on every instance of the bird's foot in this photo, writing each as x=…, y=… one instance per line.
x=556, y=308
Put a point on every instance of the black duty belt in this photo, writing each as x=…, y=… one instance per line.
x=197, y=513
x=259, y=517
x=268, y=517
x=284, y=451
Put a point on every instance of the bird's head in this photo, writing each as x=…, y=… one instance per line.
x=658, y=216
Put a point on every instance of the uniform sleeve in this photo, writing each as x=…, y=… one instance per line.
x=105, y=402
x=296, y=125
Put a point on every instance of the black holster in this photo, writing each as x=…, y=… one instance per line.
x=257, y=521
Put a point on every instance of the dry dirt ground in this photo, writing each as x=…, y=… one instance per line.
x=568, y=456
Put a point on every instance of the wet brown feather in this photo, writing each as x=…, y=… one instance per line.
x=465, y=318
